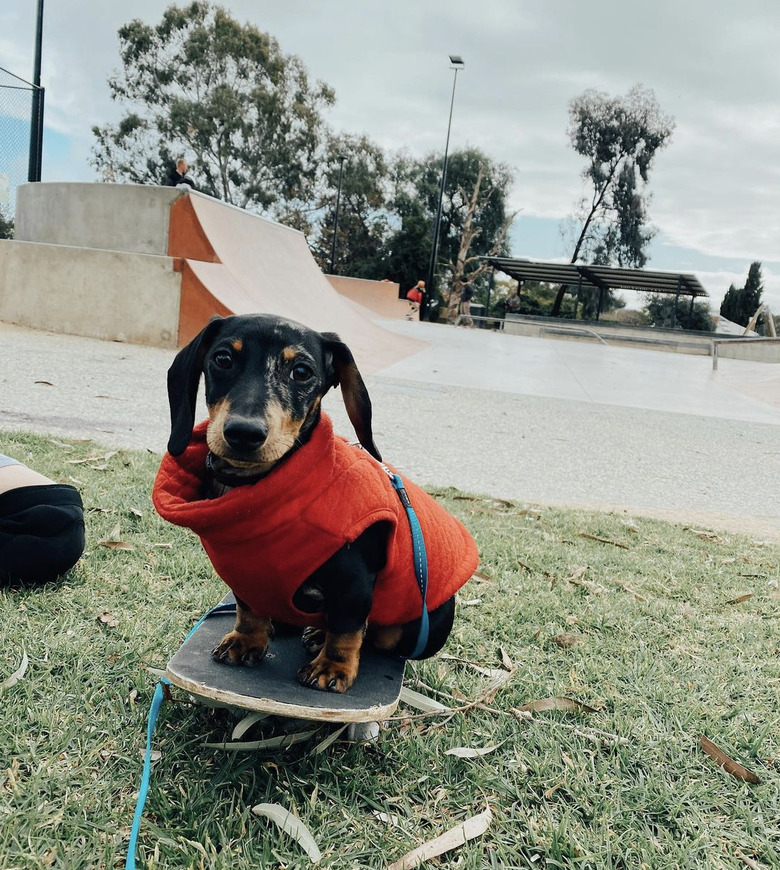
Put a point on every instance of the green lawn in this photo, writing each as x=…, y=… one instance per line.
x=630, y=617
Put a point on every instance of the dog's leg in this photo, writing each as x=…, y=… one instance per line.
x=247, y=644
x=336, y=666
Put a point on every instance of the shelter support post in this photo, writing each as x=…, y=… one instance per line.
x=676, y=301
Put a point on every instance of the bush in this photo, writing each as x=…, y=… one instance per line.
x=6, y=226
x=660, y=310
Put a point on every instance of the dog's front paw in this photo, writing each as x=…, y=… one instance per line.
x=327, y=675
x=237, y=648
x=313, y=639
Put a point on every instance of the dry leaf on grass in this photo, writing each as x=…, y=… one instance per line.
x=17, y=674
x=740, y=598
x=506, y=661
x=246, y=723
x=291, y=825
x=116, y=545
x=452, y=839
x=568, y=705
x=103, y=457
x=637, y=595
x=472, y=751
x=566, y=640
x=422, y=702
x=112, y=542
x=330, y=739
x=108, y=619
x=270, y=743
x=727, y=763
x=705, y=535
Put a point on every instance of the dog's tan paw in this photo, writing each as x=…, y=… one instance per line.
x=327, y=675
x=237, y=648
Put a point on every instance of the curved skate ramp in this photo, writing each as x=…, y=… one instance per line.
x=152, y=265
x=238, y=263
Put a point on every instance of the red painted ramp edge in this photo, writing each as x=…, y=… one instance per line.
x=234, y=262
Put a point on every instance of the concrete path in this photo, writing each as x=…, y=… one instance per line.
x=534, y=420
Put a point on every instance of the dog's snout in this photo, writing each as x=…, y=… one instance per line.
x=243, y=435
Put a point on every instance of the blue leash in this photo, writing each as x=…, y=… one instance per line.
x=420, y=562
x=420, y=572
x=154, y=710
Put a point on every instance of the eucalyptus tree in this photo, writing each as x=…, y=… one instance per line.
x=222, y=93
x=619, y=137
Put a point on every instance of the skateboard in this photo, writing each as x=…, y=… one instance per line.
x=271, y=687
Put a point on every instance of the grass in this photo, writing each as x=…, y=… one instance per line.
x=650, y=641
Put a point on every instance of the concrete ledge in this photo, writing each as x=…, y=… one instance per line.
x=673, y=340
x=109, y=295
x=755, y=349
x=109, y=217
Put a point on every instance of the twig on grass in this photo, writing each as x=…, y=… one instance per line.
x=595, y=735
x=603, y=540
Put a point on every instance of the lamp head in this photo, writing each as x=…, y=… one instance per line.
x=457, y=61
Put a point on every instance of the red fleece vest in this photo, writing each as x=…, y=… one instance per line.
x=265, y=539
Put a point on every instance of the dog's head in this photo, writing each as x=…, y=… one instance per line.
x=265, y=377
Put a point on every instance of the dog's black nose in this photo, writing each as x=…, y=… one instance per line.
x=244, y=435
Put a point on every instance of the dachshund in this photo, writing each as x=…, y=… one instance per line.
x=265, y=378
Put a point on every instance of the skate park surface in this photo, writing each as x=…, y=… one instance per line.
x=525, y=418
x=533, y=420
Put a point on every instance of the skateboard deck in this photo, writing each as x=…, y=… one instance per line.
x=271, y=687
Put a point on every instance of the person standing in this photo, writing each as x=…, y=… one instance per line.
x=415, y=297
x=177, y=175
x=464, y=316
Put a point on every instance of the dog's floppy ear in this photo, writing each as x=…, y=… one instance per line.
x=356, y=400
x=183, y=379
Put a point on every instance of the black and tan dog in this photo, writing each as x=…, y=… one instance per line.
x=305, y=528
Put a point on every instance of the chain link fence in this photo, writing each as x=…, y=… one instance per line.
x=16, y=106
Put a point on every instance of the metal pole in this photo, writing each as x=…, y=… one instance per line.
x=36, y=115
x=437, y=225
x=39, y=155
x=676, y=302
x=491, y=278
x=336, y=218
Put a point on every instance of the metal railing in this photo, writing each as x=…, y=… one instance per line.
x=717, y=342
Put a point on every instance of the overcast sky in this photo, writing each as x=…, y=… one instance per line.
x=712, y=64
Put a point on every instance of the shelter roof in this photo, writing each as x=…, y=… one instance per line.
x=599, y=277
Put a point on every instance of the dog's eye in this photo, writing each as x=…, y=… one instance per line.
x=301, y=372
x=223, y=360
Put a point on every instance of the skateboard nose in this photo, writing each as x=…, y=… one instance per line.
x=244, y=435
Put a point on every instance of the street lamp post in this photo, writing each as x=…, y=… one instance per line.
x=341, y=159
x=457, y=64
x=36, y=120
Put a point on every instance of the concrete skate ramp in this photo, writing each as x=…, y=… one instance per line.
x=380, y=298
x=233, y=262
x=151, y=265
